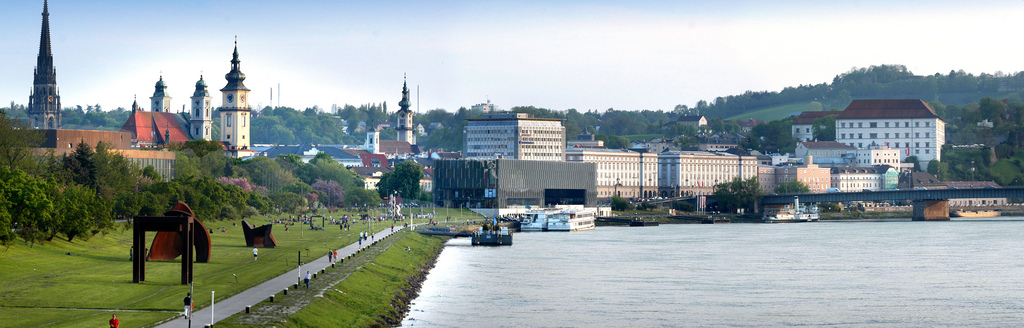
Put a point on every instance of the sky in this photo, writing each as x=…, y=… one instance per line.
x=588, y=55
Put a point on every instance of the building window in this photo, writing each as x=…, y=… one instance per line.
x=842, y=124
x=926, y=124
x=229, y=120
x=926, y=151
x=927, y=144
x=917, y=151
x=917, y=145
x=860, y=125
x=906, y=135
x=843, y=136
x=860, y=136
x=927, y=134
x=873, y=135
x=873, y=124
x=906, y=124
x=917, y=124
x=886, y=124
x=887, y=135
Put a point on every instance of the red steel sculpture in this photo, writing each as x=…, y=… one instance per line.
x=178, y=232
x=258, y=237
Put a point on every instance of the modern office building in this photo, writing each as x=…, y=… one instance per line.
x=514, y=136
x=503, y=183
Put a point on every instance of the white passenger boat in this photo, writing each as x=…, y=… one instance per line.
x=536, y=220
x=573, y=220
x=792, y=213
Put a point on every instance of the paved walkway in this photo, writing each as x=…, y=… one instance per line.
x=237, y=303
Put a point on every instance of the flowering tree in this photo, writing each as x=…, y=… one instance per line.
x=244, y=184
x=335, y=193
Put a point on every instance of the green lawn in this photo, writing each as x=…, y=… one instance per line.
x=774, y=112
x=83, y=288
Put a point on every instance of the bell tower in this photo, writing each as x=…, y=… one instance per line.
x=201, y=122
x=44, y=101
x=160, y=100
x=235, y=112
x=404, y=126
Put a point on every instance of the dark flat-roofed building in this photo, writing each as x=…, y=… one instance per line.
x=501, y=183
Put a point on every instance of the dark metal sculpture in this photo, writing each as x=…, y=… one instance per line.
x=258, y=237
x=178, y=232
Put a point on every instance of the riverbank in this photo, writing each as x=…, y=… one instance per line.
x=372, y=288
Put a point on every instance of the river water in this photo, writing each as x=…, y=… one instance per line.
x=845, y=274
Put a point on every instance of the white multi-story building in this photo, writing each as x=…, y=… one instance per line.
x=682, y=173
x=803, y=125
x=514, y=136
x=878, y=155
x=873, y=178
x=628, y=174
x=906, y=124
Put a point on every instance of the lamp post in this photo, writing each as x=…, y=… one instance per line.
x=972, y=170
x=617, y=184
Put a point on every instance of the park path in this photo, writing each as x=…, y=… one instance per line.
x=237, y=303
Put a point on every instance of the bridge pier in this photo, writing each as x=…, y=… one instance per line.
x=931, y=210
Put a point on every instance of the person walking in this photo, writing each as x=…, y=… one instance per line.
x=255, y=254
x=330, y=256
x=307, y=279
x=114, y=322
x=188, y=305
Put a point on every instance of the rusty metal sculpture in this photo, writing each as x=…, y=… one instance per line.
x=258, y=237
x=178, y=232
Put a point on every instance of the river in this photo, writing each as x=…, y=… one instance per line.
x=893, y=273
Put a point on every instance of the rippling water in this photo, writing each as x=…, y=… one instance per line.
x=848, y=274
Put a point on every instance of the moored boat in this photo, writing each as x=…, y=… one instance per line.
x=573, y=220
x=974, y=214
x=788, y=214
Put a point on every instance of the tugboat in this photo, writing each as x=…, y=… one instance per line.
x=792, y=214
x=490, y=237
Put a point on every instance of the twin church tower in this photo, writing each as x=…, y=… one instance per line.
x=235, y=113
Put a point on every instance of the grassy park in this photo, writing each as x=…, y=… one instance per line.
x=76, y=284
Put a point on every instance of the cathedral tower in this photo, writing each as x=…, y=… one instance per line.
x=44, y=101
x=201, y=123
x=404, y=125
x=234, y=115
x=160, y=100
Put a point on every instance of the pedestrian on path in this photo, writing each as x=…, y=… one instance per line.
x=188, y=305
x=255, y=254
x=307, y=279
x=330, y=256
x=113, y=321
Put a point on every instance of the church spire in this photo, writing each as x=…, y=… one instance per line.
x=235, y=76
x=44, y=63
x=404, y=104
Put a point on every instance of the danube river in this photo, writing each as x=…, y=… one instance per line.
x=847, y=274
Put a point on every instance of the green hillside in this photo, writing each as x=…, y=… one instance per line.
x=776, y=112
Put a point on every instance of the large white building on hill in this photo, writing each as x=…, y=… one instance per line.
x=909, y=125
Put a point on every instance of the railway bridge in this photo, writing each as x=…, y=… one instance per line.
x=929, y=205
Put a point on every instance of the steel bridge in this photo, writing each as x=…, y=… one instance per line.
x=931, y=204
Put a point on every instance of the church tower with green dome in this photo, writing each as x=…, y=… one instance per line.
x=235, y=112
x=200, y=122
x=160, y=100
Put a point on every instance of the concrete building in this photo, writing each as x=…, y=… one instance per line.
x=486, y=107
x=818, y=179
x=907, y=124
x=687, y=173
x=63, y=142
x=878, y=155
x=803, y=127
x=585, y=140
x=817, y=149
x=504, y=183
x=514, y=136
x=625, y=173
x=695, y=121
x=871, y=178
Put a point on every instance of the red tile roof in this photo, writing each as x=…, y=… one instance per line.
x=368, y=160
x=809, y=117
x=153, y=127
x=396, y=147
x=887, y=108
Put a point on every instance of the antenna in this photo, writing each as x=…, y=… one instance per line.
x=278, y=95
x=417, y=99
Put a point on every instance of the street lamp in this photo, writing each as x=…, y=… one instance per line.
x=617, y=184
x=972, y=170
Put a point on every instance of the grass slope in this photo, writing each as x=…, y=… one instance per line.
x=774, y=112
x=40, y=285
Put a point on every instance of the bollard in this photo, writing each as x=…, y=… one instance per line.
x=314, y=275
x=342, y=261
x=247, y=309
x=286, y=291
x=207, y=326
x=323, y=270
x=271, y=298
x=296, y=286
x=332, y=265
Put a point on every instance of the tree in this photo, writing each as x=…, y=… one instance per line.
x=25, y=207
x=825, y=128
x=793, y=186
x=913, y=159
x=335, y=193
x=16, y=141
x=201, y=147
x=359, y=197
x=619, y=204
x=81, y=166
x=404, y=180
x=738, y=193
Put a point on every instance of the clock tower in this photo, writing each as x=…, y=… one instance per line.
x=44, y=101
x=235, y=112
x=404, y=126
x=201, y=122
x=160, y=100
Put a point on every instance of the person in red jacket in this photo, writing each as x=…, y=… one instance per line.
x=114, y=322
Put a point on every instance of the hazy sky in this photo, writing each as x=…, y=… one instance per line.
x=627, y=55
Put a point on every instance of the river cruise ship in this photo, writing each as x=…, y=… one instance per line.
x=536, y=220
x=573, y=220
x=792, y=213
